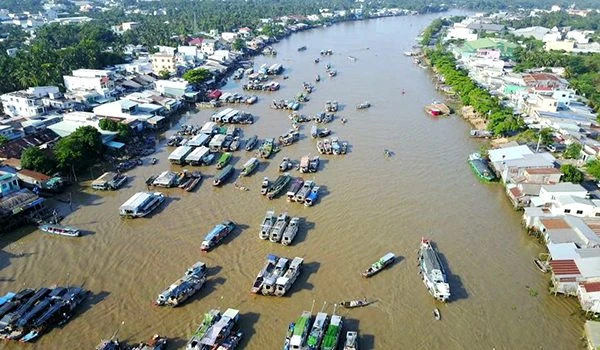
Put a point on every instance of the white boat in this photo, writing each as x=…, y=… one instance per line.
x=283, y=283
x=351, y=341
x=141, y=204
x=432, y=272
x=267, y=224
x=60, y=230
x=290, y=231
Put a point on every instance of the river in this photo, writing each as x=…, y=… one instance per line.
x=370, y=204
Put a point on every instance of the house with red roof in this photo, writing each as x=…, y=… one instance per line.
x=195, y=41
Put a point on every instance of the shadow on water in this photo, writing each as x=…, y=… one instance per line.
x=213, y=270
x=302, y=283
x=176, y=343
x=162, y=206
x=239, y=228
x=457, y=289
x=303, y=229
x=246, y=325
x=9, y=238
x=92, y=300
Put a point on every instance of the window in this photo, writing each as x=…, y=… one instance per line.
x=580, y=212
x=567, y=211
x=597, y=214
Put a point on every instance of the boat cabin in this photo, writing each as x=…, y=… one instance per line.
x=179, y=154
x=140, y=203
x=198, y=156
x=199, y=140
x=109, y=181
x=216, y=142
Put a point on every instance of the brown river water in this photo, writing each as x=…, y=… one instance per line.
x=370, y=205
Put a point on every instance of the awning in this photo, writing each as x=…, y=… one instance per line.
x=115, y=144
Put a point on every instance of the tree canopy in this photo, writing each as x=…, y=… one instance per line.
x=80, y=149
x=571, y=174
x=197, y=76
x=35, y=159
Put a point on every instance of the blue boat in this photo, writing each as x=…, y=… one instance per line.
x=312, y=197
x=217, y=234
x=6, y=298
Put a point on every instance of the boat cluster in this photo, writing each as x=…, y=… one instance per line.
x=229, y=97
x=333, y=146
x=26, y=315
x=323, y=332
x=304, y=192
x=277, y=276
x=281, y=228
x=157, y=342
x=232, y=116
x=289, y=137
x=186, y=180
x=257, y=85
x=216, y=331
x=290, y=105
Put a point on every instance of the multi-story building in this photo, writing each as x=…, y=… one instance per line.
x=33, y=102
x=90, y=81
x=162, y=61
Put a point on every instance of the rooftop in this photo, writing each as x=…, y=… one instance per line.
x=555, y=223
x=564, y=267
x=543, y=171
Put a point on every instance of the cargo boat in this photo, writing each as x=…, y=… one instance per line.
x=270, y=280
x=312, y=197
x=316, y=332
x=278, y=186
x=223, y=160
x=60, y=230
x=280, y=224
x=218, y=332
x=141, y=204
x=285, y=282
x=351, y=341
x=290, y=231
x=264, y=272
x=210, y=318
x=480, y=167
x=217, y=234
x=250, y=143
x=294, y=188
x=183, y=288
x=385, y=260
x=301, y=327
x=267, y=224
x=301, y=195
x=249, y=166
x=432, y=272
x=332, y=334
x=223, y=175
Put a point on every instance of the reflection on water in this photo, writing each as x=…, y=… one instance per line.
x=370, y=204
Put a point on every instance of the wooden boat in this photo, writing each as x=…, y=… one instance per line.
x=285, y=165
x=350, y=304
x=196, y=177
x=267, y=224
x=541, y=265
x=302, y=48
x=379, y=265
x=279, y=185
x=294, y=188
x=301, y=194
x=225, y=158
x=363, y=105
x=60, y=230
x=249, y=166
x=250, y=143
x=480, y=167
x=290, y=231
x=215, y=236
x=277, y=231
x=265, y=272
x=223, y=175
x=436, y=314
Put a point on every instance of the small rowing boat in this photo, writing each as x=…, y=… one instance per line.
x=350, y=304
x=436, y=314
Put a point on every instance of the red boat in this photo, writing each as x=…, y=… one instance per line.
x=215, y=94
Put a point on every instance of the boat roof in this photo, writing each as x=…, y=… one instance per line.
x=250, y=161
x=218, y=139
x=230, y=315
x=166, y=177
x=198, y=140
x=387, y=257
x=214, y=232
x=208, y=127
x=432, y=265
x=180, y=152
x=197, y=153
x=138, y=199
x=108, y=176
x=225, y=170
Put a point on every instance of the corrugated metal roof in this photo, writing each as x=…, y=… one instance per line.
x=564, y=267
x=557, y=223
x=591, y=287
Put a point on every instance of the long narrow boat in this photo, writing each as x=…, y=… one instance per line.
x=379, y=265
x=266, y=149
x=267, y=224
x=432, y=272
x=332, y=334
x=249, y=166
x=210, y=318
x=480, y=167
x=350, y=304
x=60, y=230
x=250, y=143
x=215, y=236
x=264, y=272
x=294, y=188
x=223, y=160
x=277, y=231
x=185, y=287
x=269, y=283
x=196, y=178
x=290, y=231
x=284, y=283
x=301, y=327
x=316, y=332
x=288, y=336
x=223, y=175
x=279, y=185
x=157, y=342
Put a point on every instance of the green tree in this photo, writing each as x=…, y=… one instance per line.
x=3, y=140
x=593, y=168
x=164, y=74
x=80, y=149
x=108, y=124
x=34, y=158
x=571, y=174
x=238, y=45
x=573, y=150
x=197, y=76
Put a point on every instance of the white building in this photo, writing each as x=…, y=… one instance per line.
x=579, y=36
x=208, y=47
x=163, y=61
x=30, y=103
x=90, y=80
x=460, y=31
x=229, y=36
x=174, y=87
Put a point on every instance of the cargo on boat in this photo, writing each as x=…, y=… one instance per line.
x=309, y=165
x=385, y=261
x=183, y=288
x=209, y=319
x=223, y=175
x=217, y=234
x=249, y=166
x=267, y=224
x=217, y=333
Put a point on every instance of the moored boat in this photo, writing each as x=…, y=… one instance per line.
x=351, y=341
x=223, y=175
x=288, y=336
x=290, y=231
x=210, y=318
x=266, y=149
x=183, y=288
x=301, y=327
x=436, y=314
x=363, y=105
x=196, y=177
x=269, y=283
x=265, y=185
x=284, y=283
x=157, y=342
x=231, y=342
x=379, y=265
x=250, y=143
x=285, y=165
x=332, y=334
x=432, y=272
x=294, y=188
x=249, y=166
x=267, y=224
x=141, y=204
x=312, y=197
x=300, y=196
x=215, y=236
x=480, y=167
x=279, y=185
x=280, y=224
x=235, y=144
x=302, y=48
x=263, y=273
x=61, y=230
x=218, y=332
x=316, y=332
x=223, y=160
